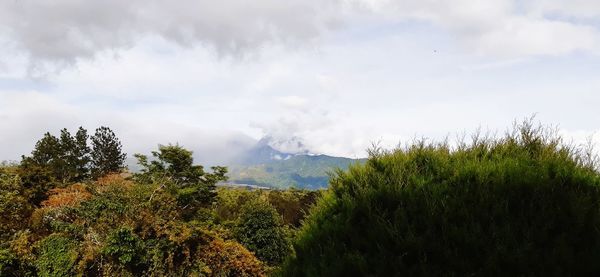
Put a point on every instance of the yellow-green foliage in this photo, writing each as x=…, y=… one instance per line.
x=521, y=205
x=56, y=256
x=14, y=205
x=229, y=258
x=291, y=204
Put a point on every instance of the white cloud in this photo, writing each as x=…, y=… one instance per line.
x=26, y=115
x=64, y=31
x=293, y=102
x=382, y=71
x=506, y=28
x=54, y=34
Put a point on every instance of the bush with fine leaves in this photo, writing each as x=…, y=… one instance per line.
x=524, y=204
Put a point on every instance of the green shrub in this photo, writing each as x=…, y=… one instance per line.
x=261, y=230
x=8, y=262
x=125, y=247
x=57, y=256
x=524, y=204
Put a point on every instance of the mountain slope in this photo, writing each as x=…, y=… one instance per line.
x=265, y=166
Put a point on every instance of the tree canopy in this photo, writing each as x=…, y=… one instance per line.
x=64, y=213
x=107, y=155
x=173, y=167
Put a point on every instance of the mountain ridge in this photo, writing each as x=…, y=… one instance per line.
x=265, y=166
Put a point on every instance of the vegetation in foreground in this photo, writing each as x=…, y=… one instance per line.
x=68, y=210
x=522, y=205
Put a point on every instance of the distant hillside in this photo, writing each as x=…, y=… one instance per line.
x=265, y=166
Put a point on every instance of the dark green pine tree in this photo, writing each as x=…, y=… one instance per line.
x=74, y=163
x=46, y=151
x=107, y=156
x=63, y=169
x=81, y=159
x=38, y=172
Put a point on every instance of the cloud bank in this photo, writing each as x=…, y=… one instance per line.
x=62, y=32
x=327, y=76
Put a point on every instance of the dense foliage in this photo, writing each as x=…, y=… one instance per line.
x=61, y=215
x=173, y=168
x=260, y=229
x=522, y=205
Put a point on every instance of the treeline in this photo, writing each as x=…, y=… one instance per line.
x=71, y=209
x=57, y=161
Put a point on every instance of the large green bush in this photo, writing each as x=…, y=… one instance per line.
x=524, y=204
x=57, y=256
x=260, y=229
x=125, y=246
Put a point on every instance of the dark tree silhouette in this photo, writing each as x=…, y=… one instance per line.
x=107, y=156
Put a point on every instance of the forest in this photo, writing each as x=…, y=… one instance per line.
x=71, y=209
x=525, y=203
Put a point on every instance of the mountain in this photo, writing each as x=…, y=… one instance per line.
x=265, y=166
x=262, y=153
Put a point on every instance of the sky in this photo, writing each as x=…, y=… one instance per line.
x=324, y=76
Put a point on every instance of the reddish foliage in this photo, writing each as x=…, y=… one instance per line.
x=67, y=197
x=229, y=258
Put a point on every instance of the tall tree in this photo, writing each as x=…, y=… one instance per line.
x=65, y=164
x=80, y=156
x=46, y=151
x=66, y=157
x=45, y=159
x=107, y=155
x=174, y=165
x=74, y=156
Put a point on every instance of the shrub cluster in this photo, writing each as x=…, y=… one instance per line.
x=524, y=204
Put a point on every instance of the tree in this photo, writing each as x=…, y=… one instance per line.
x=66, y=158
x=107, y=155
x=174, y=165
x=81, y=157
x=42, y=170
x=47, y=153
x=260, y=229
x=75, y=156
x=46, y=150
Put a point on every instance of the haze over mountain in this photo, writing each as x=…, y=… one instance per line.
x=265, y=166
x=265, y=163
